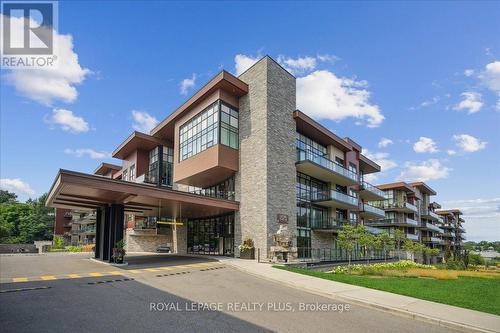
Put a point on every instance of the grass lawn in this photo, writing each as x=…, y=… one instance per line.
x=481, y=294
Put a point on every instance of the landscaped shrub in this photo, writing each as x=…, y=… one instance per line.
x=58, y=243
x=402, y=265
x=74, y=248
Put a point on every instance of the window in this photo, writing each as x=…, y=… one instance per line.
x=306, y=144
x=199, y=133
x=131, y=176
x=124, y=175
x=352, y=167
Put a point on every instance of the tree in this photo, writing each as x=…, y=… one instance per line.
x=348, y=237
x=386, y=243
x=7, y=197
x=399, y=238
x=368, y=241
x=25, y=222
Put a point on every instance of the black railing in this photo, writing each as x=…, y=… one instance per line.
x=340, y=255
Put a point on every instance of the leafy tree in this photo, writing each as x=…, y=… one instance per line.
x=399, y=238
x=369, y=242
x=25, y=222
x=386, y=243
x=348, y=237
x=7, y=197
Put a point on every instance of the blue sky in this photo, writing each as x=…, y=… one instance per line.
x=425, y=76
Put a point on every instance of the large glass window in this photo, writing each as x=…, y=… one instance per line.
x=308, y=145
x=223, y=190
x=211, y=235
x=203, y=130
x=167, y=169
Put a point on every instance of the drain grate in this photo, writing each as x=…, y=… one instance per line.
x=170, y=274
x=110, y=281
x=23, y=289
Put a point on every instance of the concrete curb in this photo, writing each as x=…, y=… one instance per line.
x=361, y=302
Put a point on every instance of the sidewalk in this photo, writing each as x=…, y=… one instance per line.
x=442, y=314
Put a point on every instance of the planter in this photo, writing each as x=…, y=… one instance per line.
x=248, y=254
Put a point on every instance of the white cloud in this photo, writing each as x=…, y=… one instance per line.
x=468, y=72
x=187, y=84
x=49, y=84
x=468, y=143
x=16, y=185
x=323, y=95
x=143, y=121
x=93, y=154
x=370, y=177
x=482, y=217
x=451, y=152
x=243, y=62
x=471, y=102
x=381, y=159
x=384, y=142
x=68, y=121
x=425, y=145
x=490, y=77
x=427, y=170
x=298, y=65
x=427, y=103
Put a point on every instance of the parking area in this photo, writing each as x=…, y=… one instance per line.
x=163, y=293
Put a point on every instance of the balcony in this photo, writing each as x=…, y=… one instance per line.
x=330, y=223
x=322, y=168
x=371, y=211
x=370, y=192
x=435, y=240
x=391, y=222
x=335, y=199
x=432, y=227
x=429, y=214
x=413, y=237
x=400, y=206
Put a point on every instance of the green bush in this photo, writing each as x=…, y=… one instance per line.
x=376, y=268
x=455, y=264
x=58, y=243
x=74, y=248
x=475, y=259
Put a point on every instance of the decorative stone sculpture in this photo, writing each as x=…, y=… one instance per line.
x=282, y=249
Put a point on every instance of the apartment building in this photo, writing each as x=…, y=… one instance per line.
x=409, y=207
x=83, y=227
x=236, y=161
x=453, y=229
x=62, y=224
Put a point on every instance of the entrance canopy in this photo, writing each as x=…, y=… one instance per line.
x=75, y=190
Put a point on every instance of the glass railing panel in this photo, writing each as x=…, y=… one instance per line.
x=372, y=209
x=344, y=197
x=303, y=155
x=369, y=187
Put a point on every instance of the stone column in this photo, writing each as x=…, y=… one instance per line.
x=179, y=238
x=267, y=174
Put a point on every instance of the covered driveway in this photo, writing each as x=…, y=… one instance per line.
x=112, y=198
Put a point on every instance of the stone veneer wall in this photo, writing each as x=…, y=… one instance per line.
x=145, y=240
x=265, y=183
x=321, y=240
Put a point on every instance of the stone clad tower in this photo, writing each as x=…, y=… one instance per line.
x=265, y=185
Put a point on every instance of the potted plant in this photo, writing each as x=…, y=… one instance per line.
x=118, y=252
x=247, y=251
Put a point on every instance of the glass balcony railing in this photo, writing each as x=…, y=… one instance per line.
x=412, y=236
x=303, y=155
x=369, y=187
x=433, y=227
x=392, y=221
x=330, y=223
x=373, y=210
x=400, y=205
x=334, y=195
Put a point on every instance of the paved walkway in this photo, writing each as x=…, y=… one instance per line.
x=442, y=314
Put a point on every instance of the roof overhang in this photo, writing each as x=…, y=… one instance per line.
x=135, y=141
x=367, y=165
x=423, y=187
x=75, y=190
x=223, y=80
x=397, y=186
x=105, y=168
x=449, y=212
x=318, y=132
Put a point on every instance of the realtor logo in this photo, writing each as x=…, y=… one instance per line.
x=28, y=30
